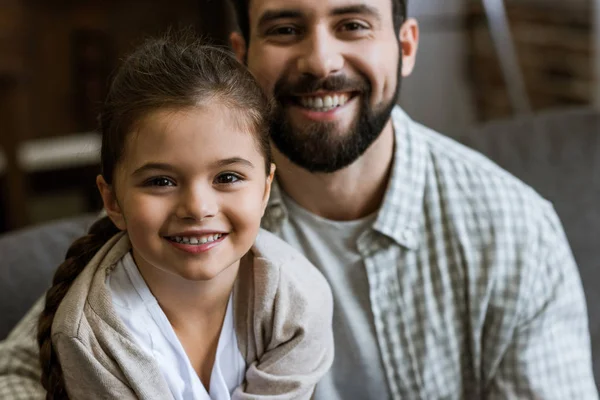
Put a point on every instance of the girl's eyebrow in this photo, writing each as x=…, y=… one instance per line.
x=153, y=166
x=233, y=160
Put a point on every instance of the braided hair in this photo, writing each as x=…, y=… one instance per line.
x=78, y=256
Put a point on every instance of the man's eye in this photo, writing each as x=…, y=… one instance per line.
x=160, y=181
x=283, y=31
x=353, y=26
x=227, y=178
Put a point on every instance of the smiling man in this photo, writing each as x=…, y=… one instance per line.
x=451, y=279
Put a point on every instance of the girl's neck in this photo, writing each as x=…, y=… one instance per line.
x=191, y=303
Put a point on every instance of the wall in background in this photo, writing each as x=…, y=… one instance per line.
x=437, y=93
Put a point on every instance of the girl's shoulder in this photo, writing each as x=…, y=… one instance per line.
x=279, y=261
x=280, y=275
x=283, y=313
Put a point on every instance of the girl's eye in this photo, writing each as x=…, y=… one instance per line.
x=160, y=181
x=227, y=178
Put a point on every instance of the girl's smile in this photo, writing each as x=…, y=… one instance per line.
x=199, y=242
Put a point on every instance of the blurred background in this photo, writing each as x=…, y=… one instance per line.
x=479, y=61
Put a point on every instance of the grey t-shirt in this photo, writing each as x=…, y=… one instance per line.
x=357, y=371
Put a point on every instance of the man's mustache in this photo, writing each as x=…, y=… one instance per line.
x=308, y=84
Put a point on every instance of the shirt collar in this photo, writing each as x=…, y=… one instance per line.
x=401, y=214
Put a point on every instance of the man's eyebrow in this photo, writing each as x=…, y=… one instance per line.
x=273, y=15
x=153, y=166
x=357, y=9
x=233, y=160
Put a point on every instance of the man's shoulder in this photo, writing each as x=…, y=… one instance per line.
x=471, y=174
x=478, y=197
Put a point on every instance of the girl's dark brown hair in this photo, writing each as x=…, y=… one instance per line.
x=174, y=72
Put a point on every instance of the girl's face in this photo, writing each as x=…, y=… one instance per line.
x=190, y=191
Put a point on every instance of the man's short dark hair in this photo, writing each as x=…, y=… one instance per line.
x=241, y=13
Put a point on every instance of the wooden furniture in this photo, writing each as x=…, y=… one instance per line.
x=553, y=46
x=14, y=103
x=56, y=58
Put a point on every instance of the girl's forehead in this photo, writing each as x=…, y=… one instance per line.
x=209, y=131
x=213, y=114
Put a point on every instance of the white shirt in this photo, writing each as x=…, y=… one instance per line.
x=331, y=246
x=148, y=324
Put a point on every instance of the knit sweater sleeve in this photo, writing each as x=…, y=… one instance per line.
x=84, y=374
x=289, y=345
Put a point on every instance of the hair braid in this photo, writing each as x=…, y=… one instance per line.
x=78, y=256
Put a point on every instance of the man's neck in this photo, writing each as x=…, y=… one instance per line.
x=348, y=194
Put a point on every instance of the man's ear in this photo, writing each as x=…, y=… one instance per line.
x=267, y=193
x=409, y=43
x=239, y=46
x=111, y=205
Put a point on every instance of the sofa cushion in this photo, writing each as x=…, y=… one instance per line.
x=28, y=259
x=558, y=154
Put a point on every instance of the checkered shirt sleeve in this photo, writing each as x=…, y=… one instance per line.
x=19, y=365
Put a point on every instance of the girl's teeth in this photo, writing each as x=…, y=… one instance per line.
x=196, y=241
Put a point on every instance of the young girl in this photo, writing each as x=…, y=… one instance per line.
x=177, y=293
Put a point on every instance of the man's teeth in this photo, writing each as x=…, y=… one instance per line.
x=324, y=103
x=197, y=240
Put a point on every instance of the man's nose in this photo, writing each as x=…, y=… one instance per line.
x=321, y=55
x=197, y=203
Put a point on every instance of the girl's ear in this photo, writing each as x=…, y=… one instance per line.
x=111, y=205
x=267, y=193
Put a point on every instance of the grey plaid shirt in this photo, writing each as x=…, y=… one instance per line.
x=473, y=287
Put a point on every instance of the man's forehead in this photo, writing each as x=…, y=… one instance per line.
x=307, y=7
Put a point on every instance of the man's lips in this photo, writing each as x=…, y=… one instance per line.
x=322, y=101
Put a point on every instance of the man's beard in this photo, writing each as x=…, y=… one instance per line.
x=317, y=147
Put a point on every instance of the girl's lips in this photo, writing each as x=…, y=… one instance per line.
x=197, y=248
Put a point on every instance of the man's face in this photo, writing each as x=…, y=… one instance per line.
x=333, y=67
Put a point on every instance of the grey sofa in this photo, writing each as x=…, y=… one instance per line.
x=557, y=153
x=28, y=259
